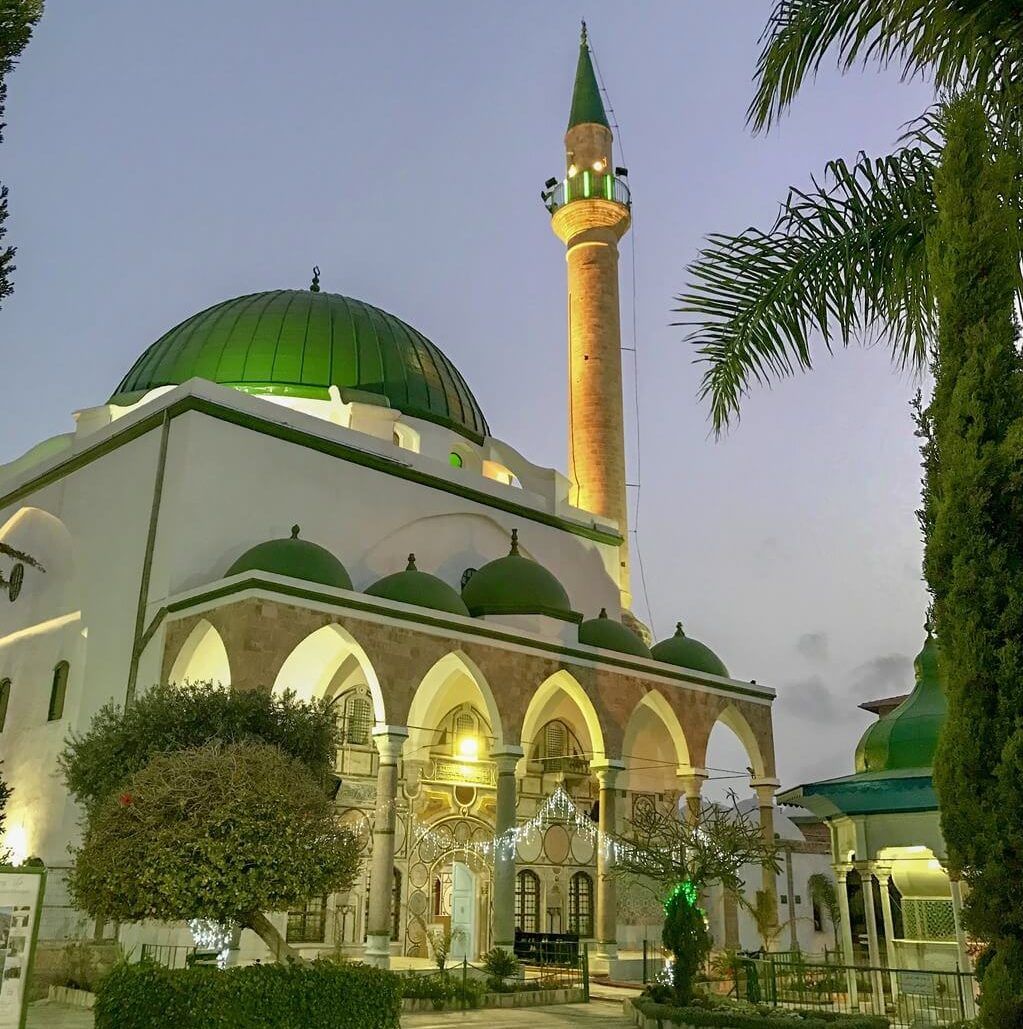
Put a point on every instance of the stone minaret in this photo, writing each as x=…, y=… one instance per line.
x=590, y=214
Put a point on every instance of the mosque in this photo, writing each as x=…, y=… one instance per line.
x=297, y=490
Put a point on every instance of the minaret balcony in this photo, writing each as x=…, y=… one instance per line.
x=587, y=185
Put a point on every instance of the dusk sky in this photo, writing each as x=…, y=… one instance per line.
x=162, y=157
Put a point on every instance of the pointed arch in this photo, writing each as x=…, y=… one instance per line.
x=655, y=748
x=734, y=719
x=309, y=669
x=563, y=686
x=438, y=692
x=202, y=657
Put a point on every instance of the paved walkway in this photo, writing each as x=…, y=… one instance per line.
x=598, y=1014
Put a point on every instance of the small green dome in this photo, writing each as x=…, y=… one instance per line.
x=516, y=585
x=907, y=737
x=299, y=343
x=610, y=634
x=298, y=559
x=685, y=652
x=419, y=588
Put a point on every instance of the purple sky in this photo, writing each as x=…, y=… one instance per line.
x=162, y=157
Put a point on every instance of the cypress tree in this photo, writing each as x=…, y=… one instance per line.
x=973, y=523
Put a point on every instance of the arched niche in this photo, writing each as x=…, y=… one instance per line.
x=316, y=667
x=452, y=681
x=655, y=749
x=202, y=658
x=561, y=697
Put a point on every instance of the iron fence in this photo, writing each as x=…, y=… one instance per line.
x=168, y=955
x=911, y=999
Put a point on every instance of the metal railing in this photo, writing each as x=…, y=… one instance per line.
x=909, y=998
x=587, y=185
x=168, y=955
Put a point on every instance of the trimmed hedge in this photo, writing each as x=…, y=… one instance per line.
x=778, y=1018
x=321, y=995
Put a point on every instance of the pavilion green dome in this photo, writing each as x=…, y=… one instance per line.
x=517, y=585
x=419, y=588
x=610, y=634
x=299, y=343
x=685, y=652
x=907, y=737
x=298, y=559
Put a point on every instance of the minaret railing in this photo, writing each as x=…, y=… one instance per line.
x=587, y=185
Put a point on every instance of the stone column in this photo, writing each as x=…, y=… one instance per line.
x=765, y=790
x=873, y=949
x=389, y=740
x=965, y=965
x=691, y=782
x=505, y=758
x=607, y=771
x=847, y=940
x=884, y=878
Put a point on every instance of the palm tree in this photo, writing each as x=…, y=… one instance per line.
x=846, y=258
x=18, y=556
x=824, y=896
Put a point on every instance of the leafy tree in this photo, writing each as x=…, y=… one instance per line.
x=824, y=894
x=685, y=934
x=171, y=717
x=17, y=20
x=973, y=509
x=218, y=832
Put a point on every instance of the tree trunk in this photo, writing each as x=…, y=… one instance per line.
x=267, y=932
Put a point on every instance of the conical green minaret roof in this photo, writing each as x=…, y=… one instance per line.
x=587, y=107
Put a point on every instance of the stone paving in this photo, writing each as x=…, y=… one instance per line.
x=598, y=1014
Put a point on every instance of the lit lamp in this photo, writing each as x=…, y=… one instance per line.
x=17, y=844
x=468, y=748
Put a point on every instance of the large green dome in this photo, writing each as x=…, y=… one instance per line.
x=517, y=585
x=907, y=737
x=298, y=343
x=610, y=634
x=685, y=652
x=295, y=558
x=420, y=588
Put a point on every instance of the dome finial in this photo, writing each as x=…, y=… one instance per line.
x=295, y=530
x=582, y=34
x=411, y=566
x=514, y=551
x=603, y=613
x=679, y=631
x=315, y=287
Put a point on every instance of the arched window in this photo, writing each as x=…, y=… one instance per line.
x=527, y=901
x=355, y=709
x=395, y=904
x=555, y=739
x=455, y=459
x=580, y=905
x=5, y=697
x=58, y=691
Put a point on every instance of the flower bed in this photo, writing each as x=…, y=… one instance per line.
x=741, y=1015
x=453, y=993
x=321, y=995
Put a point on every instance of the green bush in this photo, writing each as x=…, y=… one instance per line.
x=746, y=1016
x=321, y=995
x=444, y=989
x=500, y=963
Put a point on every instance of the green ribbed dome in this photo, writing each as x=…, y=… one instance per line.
x=516, y=585
x=907, y=737
x=685, y=652
x=610, y=634
x=298, y=559
x=420, y=588
x=298, y=343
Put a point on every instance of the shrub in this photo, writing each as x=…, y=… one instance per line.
x=500, y=963
x=746, y=1016
x=443, y=989
x=321, y=995
x=78, y=966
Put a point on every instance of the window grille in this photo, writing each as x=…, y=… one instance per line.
x=928, y=919
x=527, y=901
x=580, y=905
x=58, y=691
x=358, y=715
x=308, y=924
x=555, y=740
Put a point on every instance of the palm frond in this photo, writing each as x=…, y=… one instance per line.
x=964, y=44
x=845, y=259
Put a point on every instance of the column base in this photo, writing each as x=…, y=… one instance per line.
x=377, y=951
x=606, y=951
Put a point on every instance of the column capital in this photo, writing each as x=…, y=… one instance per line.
x=691, y=774
x=389, y=739
x=506, y=758
x=606, y=770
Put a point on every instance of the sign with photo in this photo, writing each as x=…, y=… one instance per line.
x=21, y=901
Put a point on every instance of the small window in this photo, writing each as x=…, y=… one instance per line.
x=357, y=719
x=799, y=900
x=58, y=691
x=527, y=901
x=580, y=905
x=5, y=697
x=455, y=459
x=784, y=898
x=308, y=924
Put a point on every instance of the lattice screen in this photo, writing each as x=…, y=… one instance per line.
x=928, y=920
